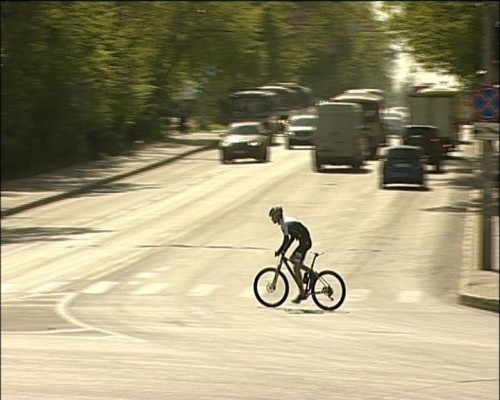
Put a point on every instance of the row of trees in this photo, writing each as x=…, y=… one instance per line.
x=78, y=77
x=84, y=78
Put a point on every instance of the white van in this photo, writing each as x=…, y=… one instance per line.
x=340, y=138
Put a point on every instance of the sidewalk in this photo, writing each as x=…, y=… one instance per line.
x=477, y=288
x=479, y=285
x=22, y=194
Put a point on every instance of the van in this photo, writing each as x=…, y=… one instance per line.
x=340, y=137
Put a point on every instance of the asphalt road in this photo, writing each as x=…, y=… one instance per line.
x=142, y=289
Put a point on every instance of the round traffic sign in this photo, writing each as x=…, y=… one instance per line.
x=485, y=103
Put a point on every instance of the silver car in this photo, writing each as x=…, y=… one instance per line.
x=300, y=130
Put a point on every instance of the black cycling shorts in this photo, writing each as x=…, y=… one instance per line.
x=299, y=254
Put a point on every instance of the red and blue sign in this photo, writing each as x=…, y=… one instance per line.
x=485, y=104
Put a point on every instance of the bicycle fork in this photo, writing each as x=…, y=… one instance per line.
x=278, y=269
x=276, y=275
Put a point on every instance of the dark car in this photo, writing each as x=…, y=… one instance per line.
x=403, y=164
x=300, y=130
x=245, y=140
x=427, y=137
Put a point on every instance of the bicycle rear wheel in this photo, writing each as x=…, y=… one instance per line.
x=329, y=290
x=268, y=294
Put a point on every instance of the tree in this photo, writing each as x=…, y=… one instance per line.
x=439, y=35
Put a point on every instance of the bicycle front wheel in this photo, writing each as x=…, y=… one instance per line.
x=329, y=290
x=271, y=287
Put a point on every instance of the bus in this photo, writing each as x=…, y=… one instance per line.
x=255, y=105
x=286, y=102
x=372, y=105
x=303, y=95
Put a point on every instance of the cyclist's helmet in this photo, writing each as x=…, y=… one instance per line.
x=275, y=213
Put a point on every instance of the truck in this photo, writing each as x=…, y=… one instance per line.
x=441, y=107
x=340, y=137
x=372, y=105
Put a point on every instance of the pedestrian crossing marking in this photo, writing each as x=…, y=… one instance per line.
x=100, y=287
x=409, y=296
x=202, y=290
x=137, y=287
x=248, y=292
x=151, y=288
x=358, y=294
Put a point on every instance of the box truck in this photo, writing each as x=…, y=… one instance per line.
x=372, y=105
x=440, y=107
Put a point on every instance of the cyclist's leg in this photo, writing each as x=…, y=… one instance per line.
x=297, y=259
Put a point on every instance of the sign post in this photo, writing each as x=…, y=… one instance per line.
x=486, y=127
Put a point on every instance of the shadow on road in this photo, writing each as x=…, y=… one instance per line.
x=346, y=170
x=41, y=234
x=224, y=247
x=407, y=188
x=117, y=187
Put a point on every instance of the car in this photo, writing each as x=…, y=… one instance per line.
x=403, y=164
x=300, y=130
x=244, y=140
x=427, y=137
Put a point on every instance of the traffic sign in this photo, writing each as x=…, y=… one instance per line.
x=485, y=104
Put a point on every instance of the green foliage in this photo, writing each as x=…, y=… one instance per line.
x=81, y=79
x=440, y=35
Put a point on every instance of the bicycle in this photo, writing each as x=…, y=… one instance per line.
x=327, y=288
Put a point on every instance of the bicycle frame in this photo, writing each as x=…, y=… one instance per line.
x=326, y=287
x=285, y=260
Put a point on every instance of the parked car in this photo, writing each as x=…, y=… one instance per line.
x=403, y=164
x=300, y=130
x=427, y=137
x=244, y=140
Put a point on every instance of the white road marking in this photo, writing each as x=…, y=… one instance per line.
x=6, y=253
x=358, y=294
x=162, y=269
x=48, y=286
x=151, y=288
x=409, y=296
x=100, y=287
x=146, y=275
x=7, y=287
x=117, y=214
x=248, y=292
x=202, y=290
x=63, y=310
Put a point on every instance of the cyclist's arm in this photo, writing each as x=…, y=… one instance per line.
x=287, y=241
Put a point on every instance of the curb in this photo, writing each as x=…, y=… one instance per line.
x=96, y=184
x=471, y=261
x=479, y=302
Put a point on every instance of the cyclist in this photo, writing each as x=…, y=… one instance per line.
x=293, y=230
